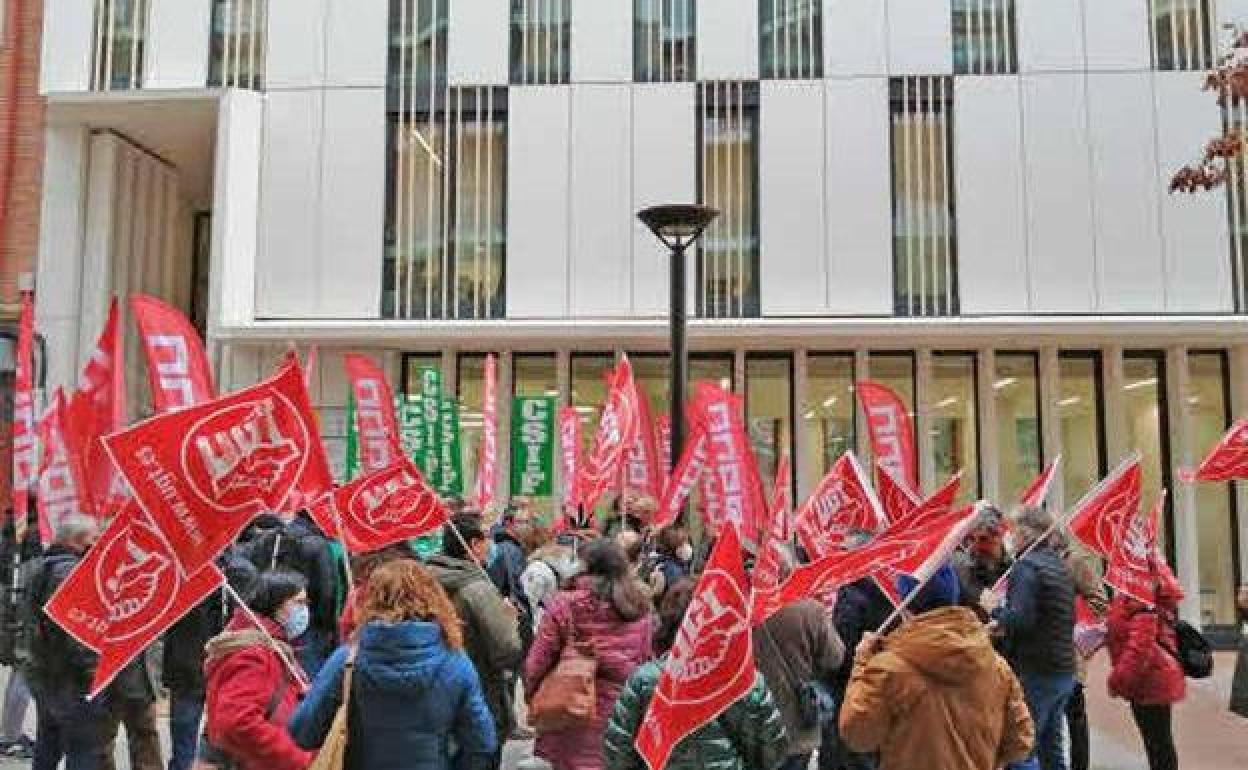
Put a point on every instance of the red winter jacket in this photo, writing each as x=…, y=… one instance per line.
x=1143, y=671
x=243, y=673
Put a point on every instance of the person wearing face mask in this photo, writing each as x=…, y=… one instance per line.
x=983, y=560
x=675, y=555
x=251, y=686
x=491, y=632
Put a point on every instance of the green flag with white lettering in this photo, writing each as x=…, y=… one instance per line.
x=450, y=464
x=352, y=464
x=431, y=404
x=533, y=446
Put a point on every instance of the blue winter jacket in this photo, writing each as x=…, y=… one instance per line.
x=415, y=704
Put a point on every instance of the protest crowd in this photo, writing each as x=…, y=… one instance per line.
x=684, y=620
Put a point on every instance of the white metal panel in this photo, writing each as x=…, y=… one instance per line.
x=64, y=213
x=352, y=203
x=296, y=44
x=290, y=178
x=920, y=37
x=234, y=208
x=664, y=171
x=988, y=172
x=855, y=37
x=1232, y=12
x=1125, y=189
x=602, y=41
x=356, y=42
x=1050, y=35
x=793, y=278
x=67, y=42
x=600, y=266
x=478, y=42
x=537, y=202
x=1060, y=245
x=1117, y=35
x=859, y=198
x=175, y=53
x=728, y=40
x=1194, y=227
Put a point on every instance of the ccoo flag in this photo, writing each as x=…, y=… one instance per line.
x=25, y=456
x=377, y=427
x=176, y=365
x=891, y=431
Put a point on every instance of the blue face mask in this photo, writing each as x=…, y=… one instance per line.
x=297, y=621
x=492, y=555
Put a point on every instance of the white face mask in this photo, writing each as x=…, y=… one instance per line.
x=1011, y=544
x=685, y=553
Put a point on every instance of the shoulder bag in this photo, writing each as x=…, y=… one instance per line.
x=567, y=696
x=333, y=753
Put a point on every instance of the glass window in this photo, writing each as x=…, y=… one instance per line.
x=769, y=410
x=896, y=371
x=790, y=39
x=412, y=364
x=239, y=39
x=1216, y=523
x=470, y=391
x=1144, y=396
x=590, y=373
x=1181, y=39
x=540, y=34
x=983, y=37
x=953, y=421
x=652, y=372
x=1080, y=411
x=663, y=40
x=925, y=278
x=728, y=181
x=1016, y=395
x=120, y=34
x=828, y=408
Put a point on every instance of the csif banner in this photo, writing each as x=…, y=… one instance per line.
x=533, y=446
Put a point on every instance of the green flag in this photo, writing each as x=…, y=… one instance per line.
x=450, y=462
x=533, y=446
x=352, y=464
x=431, y=404
x=411, y=427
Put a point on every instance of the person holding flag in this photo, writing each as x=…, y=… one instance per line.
x=983, y=560
x=1037, y=621
x=934, y=693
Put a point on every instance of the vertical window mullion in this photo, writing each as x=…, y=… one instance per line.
x=402, y=148
x=476, y=204
x=743, y=218
x=946, y=114
x=110, y=34
x=1174, y=38
x=252, y=43
x=981, y=39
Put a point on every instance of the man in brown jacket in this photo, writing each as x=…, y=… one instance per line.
x=933, y=694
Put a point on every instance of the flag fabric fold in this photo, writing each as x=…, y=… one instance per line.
x=377, y=427
x=1098, y=519
x=891, y=431
x=487, y=465
x=96, y=409
x=62, y=482
x=1132, y=563
x=1037, y=492
x=898, y=500
x=25, y=453
x=384, y=507
x=617, y=428
x=1228, y=460
x=177, y=367
x=843, y=502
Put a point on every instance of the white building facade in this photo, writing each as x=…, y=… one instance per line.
x=964, y=199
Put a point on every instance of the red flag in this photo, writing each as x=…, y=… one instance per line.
x=939, y=504
x=177, y=368
x=1037, y=492
x=617, y=429
x=782, y=496
x=891, y=431
x=96, y=409
x=898, y=500
x=376, y=424
x=732, y=467
x=663, y=438
x=310, y=367
x=843, y=502
x=570, y=454
x=1131, y=566
x=641, y=471
x=1227, y=461
x=202, y=473
x=126, y=593
x=712, y=662
x=386, y=507
x=487, y=465
x=687, y=474
x=61, y=480
x=1098, y=518
x=25, y=460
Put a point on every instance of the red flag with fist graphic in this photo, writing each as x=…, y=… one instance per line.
x=202, y=473
x=127, y=592
x=385, y=507
x=711, y=665
x=1131, y=567
x=1228, y=461
x=843, y=502
x=1099, y=518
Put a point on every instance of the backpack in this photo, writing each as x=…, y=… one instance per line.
x=1194, y=653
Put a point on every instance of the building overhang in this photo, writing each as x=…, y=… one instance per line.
x=1002, y=332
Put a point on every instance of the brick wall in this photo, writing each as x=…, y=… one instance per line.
x=19, y=225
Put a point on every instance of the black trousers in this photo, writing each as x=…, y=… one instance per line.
x=1154, y=724
x=1077, y=723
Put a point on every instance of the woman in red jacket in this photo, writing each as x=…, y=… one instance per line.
x=251, y=691
x=1146, y=673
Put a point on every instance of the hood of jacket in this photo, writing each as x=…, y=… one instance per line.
x=949, y=645
x=242, y=633
x=400, y=657
x=454, y=574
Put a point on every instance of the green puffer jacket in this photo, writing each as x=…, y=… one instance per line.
x=748, y=736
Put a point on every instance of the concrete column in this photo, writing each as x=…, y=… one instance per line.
x=1116, y=442
x=804, y=471
x=1239, y=406
x=922, y=410
x=989, y=452
x=506, y=390
x=1050, y=383
x=1183, y=496
x=862, y=441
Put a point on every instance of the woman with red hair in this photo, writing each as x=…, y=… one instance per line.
x=1146, y=672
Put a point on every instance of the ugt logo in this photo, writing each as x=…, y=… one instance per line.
x=243, y=453
x=712, y=643
x=389, y=501
x=136, y=579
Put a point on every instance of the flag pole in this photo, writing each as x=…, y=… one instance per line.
x=295, y=671
x=460, y=537
x=905, y=603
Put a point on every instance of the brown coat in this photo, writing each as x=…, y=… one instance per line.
x=798, y=644
x=937, y=696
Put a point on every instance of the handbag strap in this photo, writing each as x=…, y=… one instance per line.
x=348, y=670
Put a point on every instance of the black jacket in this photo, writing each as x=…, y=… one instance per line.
x=58, y=662
x=505, y=570
x=975, y=576
x=861, y=606
x=1038, y=616
x=299, y=546
x=20, y=559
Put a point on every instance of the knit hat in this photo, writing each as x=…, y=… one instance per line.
x=940, y=591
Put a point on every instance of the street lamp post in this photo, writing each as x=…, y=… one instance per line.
x=678, y=226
